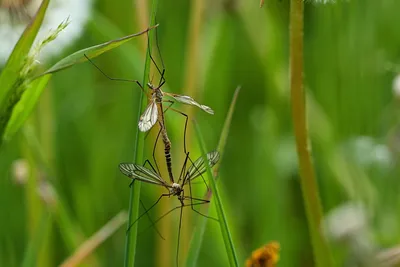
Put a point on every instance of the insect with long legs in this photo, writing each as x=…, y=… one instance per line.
x=154, y=111
x=197, y=168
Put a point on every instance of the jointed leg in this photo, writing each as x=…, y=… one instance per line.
x=148, y=216
x=115, y=79
x=152, y=206
x=186, y=121
x=151, y=165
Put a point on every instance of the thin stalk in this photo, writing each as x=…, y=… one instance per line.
x=226, y=235
x=133, y=213
x=308, y=181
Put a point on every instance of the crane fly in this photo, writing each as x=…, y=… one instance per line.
x=154, y=111
x=197, y=168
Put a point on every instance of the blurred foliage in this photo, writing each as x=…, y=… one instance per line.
x=84, y=126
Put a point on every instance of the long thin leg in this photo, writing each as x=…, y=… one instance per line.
x=201, y=175
x=116, y=79
x=183, y=170
x=162, y=79
x=154, y=150
x=152, y=206
x=186, y=121
x=202, y=201
x=148, y=216
x=179, y=234
x=151, y=165
x=198, y=199
x=171, y=210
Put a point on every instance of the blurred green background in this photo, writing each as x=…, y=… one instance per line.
x=85, y=125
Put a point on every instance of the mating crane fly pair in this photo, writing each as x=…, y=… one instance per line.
x=154, y=113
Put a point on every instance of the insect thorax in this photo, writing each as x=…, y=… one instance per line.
x=159, y=95
x=175, y=189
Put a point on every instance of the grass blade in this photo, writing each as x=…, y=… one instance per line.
x=134, y=198
x=10, y=73
x=197, y=238
x=226, y=235
x=30, y=258
x=91, y=52
x=95, y=240
x=24, y=106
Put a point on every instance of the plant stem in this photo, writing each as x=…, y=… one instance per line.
x=308, y=181
x=134, y=198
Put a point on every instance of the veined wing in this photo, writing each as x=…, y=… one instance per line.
x=198, y=167
x=141, y=173
x=190, y=101
x=149, y=117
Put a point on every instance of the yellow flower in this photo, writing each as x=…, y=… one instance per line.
x=266, y=256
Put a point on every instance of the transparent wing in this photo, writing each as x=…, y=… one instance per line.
x=141, y=173
x=190, y=101
x=149, y=117
x=198, y=167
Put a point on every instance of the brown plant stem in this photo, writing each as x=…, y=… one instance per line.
x=308, y=181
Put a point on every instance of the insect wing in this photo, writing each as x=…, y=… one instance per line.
x=149, y=117
x=190, y=101
x=198, y=167
x=141, y=173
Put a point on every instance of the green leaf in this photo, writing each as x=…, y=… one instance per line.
x=10, y=74
x=226, y=234
x=91, y=52
x=25, y=106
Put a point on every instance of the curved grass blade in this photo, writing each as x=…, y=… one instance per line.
x=91, y=52
x=24, y=104
x=10, y=73
x=10, y=78
x=197, y=238
x=226, y=235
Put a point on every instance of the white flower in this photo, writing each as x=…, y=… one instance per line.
x=345, y=221
x=16, y=14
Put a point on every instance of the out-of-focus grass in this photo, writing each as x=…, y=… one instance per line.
x=348, y=48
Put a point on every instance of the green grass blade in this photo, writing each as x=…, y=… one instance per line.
x=10, y=73
x=30, y=257
x=226, y=235
x=91, y=52
x=134, y=198
x=25, y=106
x=225, y=131
x=22, y=106
x=198, y=233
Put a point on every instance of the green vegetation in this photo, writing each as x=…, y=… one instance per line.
x=71, y=127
